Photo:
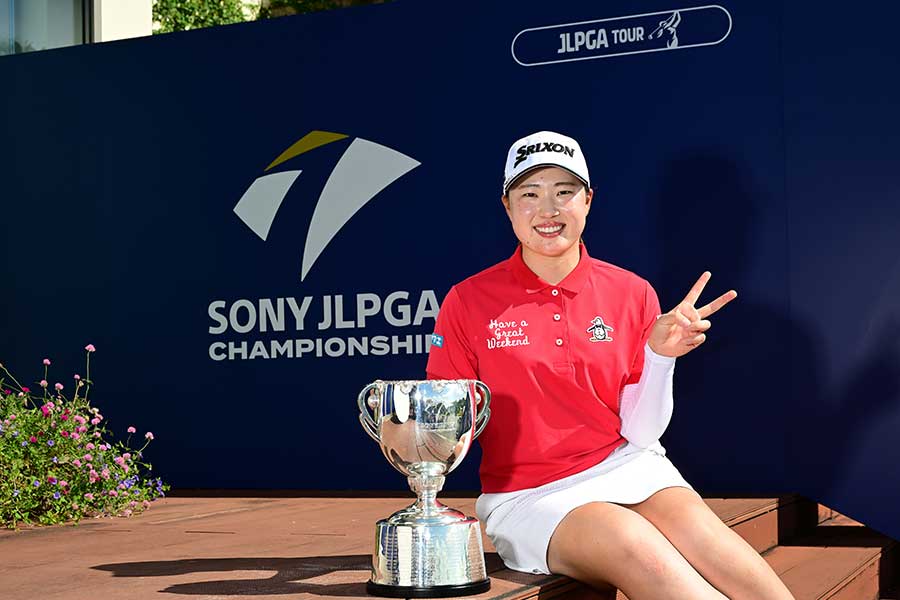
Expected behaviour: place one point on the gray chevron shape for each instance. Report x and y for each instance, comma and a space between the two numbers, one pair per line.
365, 169
259, 204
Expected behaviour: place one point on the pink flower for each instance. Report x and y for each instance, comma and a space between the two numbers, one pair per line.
95, 421
88, 457
133, 503
51, 480
132, 430
88, 496
64, 433
75, 436
104, 473
76, 462
58, 386
81, 429
25, 389
121, 486
145, 504
43, 383
79, 419
64, 418
77, 377
90, 348
127, 512
63, 483
46, 362
127, 456
149, 435
90, 446
93, 476
96, 434
119, 460
113, 493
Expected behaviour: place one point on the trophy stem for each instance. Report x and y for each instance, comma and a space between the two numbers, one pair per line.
426, 488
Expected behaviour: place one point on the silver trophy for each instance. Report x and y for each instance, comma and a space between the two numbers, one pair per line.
425, 429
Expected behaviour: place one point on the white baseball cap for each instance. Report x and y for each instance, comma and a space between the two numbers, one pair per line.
541, 149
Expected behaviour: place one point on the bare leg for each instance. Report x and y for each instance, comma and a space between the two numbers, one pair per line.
602, 543
719, 554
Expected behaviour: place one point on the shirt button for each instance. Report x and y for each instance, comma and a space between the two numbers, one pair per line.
555, 292
559, 341
556, 317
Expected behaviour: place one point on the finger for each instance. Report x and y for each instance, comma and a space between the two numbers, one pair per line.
677, 317
718, 303
694, 294
690, 312
699, 326
695, 341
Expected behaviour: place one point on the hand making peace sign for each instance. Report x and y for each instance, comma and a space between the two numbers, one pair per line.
680, 330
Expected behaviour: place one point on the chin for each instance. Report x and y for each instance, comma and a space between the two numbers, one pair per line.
552, 249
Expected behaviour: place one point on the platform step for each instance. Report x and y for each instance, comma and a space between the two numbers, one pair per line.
308, 547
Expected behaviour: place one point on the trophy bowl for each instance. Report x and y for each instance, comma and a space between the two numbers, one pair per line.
425, 429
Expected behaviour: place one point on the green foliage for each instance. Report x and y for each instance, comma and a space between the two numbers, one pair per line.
58, 460
181, 15
280, 8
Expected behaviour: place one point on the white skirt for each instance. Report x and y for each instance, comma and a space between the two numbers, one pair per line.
520, 523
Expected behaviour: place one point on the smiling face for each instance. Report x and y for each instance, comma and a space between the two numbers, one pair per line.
547, 208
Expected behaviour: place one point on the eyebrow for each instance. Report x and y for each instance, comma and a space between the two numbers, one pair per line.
539, 185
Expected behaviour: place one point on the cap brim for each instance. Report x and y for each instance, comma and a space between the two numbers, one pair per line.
538, 166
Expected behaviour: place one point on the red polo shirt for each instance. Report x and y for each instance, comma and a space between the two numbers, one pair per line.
555, 359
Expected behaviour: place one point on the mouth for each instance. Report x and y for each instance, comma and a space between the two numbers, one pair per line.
549, 230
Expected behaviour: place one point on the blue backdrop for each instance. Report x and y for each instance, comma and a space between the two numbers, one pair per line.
239, 302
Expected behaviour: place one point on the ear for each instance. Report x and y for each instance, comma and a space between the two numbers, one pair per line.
588, 198
505, 200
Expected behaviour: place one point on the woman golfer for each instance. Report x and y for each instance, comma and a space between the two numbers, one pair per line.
579, 360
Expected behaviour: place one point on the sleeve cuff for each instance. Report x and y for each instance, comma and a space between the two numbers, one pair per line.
655, 358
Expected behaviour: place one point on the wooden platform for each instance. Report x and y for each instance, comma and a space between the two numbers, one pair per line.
315, 547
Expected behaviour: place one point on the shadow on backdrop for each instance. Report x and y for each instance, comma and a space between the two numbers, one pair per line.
752, 415
733, 413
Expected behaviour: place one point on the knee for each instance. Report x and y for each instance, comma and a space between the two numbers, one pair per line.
639, 547
635, 545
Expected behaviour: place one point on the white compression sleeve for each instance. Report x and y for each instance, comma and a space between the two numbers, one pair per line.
645, 407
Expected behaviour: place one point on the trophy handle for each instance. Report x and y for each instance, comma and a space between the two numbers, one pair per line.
484, 415
365, 417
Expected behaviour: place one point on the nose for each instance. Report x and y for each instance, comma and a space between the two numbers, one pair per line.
547, 207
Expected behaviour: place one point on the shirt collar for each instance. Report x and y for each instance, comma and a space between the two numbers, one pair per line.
573, 282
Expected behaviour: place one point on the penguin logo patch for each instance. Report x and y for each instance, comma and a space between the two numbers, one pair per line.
599, 331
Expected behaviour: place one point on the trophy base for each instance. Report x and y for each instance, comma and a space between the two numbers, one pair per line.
435, 591
435, 554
